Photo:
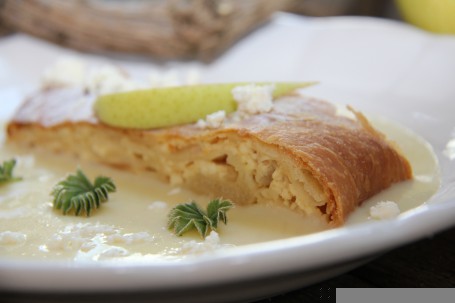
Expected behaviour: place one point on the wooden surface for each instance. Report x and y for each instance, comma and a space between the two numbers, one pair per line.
428, 263
159, 29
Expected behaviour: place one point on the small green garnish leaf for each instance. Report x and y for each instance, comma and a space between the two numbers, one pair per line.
78, 193
216, 211
6, 172
187, 216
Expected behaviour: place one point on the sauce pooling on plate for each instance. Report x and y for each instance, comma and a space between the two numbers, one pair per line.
132, 225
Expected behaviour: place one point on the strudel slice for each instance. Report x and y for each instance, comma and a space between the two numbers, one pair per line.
301, 155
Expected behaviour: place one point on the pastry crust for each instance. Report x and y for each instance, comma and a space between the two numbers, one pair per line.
302, 154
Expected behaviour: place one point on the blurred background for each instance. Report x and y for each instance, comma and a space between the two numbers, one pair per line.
190, 29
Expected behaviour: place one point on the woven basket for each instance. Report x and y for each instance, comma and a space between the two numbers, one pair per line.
164, 29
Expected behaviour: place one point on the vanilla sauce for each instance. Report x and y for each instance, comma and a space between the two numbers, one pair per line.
132, 224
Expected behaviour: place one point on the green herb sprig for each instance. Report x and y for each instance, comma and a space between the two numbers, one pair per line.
78, 193
187, 216
6, 172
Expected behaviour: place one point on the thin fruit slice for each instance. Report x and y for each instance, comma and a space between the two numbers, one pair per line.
162, 107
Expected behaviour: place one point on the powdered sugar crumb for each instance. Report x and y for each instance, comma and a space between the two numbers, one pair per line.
253, 99
384, 210
214, 120
12, 238
157, 205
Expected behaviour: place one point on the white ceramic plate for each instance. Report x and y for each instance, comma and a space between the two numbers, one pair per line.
378, 66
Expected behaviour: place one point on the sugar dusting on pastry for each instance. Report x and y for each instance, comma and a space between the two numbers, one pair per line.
65, 71
214, 120
251, 99
108, 78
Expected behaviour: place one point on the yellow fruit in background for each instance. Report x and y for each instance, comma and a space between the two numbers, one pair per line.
162, 107
433, 15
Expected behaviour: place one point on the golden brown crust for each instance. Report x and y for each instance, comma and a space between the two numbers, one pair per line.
349, 159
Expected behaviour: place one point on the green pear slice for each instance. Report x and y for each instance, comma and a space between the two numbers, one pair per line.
163, 107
